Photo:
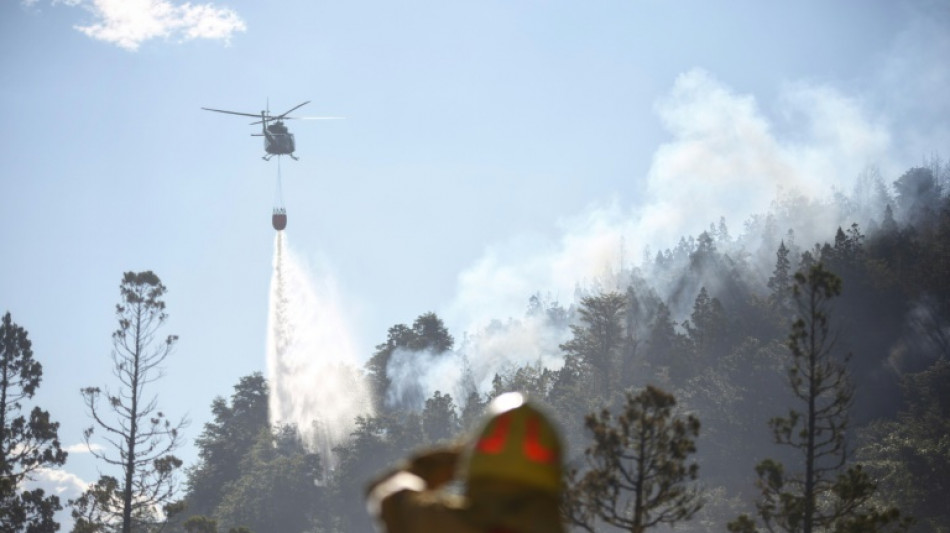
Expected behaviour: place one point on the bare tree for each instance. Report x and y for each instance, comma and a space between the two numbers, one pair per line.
140, 437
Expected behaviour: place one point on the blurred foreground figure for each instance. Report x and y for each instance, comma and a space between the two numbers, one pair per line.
511, 476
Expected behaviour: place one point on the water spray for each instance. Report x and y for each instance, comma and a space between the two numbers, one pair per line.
315, 384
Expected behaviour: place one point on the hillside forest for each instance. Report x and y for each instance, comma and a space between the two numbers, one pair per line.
706, 338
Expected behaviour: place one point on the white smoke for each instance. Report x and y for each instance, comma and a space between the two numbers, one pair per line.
311, 359
725, 159
499, 348
506, 346
416, 376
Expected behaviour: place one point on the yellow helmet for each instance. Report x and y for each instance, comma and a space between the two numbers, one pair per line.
517, 443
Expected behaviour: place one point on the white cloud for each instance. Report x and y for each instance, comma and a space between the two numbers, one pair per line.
81, 447
60, 482
129, 23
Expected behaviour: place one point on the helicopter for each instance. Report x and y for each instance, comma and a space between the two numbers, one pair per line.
277, 139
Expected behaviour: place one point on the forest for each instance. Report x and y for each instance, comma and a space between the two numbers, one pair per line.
710, 333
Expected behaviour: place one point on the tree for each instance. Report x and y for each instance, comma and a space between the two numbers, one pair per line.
826, 494
640, 471
910, 456
27, 442
140, 436
428, 332
95, 510
918, 194
200, 524
598, 340
440, 420
666, 347
277, 489
707, 327
225, 441
375, 444
780, 283
472, 411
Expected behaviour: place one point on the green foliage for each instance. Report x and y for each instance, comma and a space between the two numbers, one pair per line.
251, 477
706, 329
27, 442
532, 379
597, 341
911, 454
667, 349
640, 471
95, 510
377, 443
139, 437
201, 524
472, 411
440, 421
780, 283
225, 441
277, 489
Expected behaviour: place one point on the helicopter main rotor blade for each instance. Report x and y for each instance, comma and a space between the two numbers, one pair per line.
257, 115
314, 118
285, 113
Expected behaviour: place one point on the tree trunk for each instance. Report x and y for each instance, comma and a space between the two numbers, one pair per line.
133, 430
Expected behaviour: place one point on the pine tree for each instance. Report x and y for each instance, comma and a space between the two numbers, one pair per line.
824, 493
28, 442
440, 421
781, 281
276, 489
707, 326
639, 472
225, 441
428, 332
598, 340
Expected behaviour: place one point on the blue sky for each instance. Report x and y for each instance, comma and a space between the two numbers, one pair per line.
490, 149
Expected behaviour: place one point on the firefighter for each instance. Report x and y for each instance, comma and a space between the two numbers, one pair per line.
511, 476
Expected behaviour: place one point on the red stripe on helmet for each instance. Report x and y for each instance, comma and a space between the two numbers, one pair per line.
494, 442
533, 449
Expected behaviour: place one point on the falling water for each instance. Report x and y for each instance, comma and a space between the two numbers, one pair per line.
311, 360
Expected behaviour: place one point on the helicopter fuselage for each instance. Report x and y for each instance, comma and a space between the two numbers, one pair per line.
277, 139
